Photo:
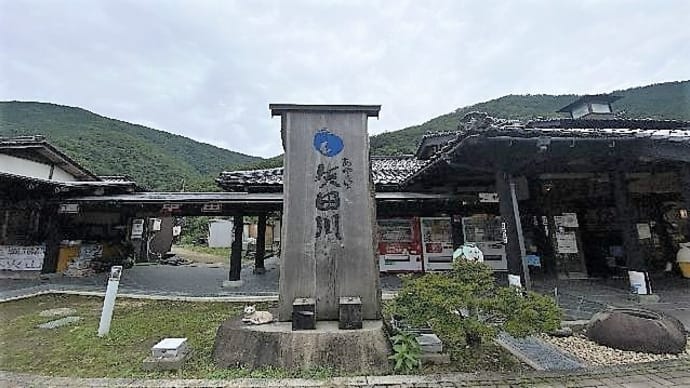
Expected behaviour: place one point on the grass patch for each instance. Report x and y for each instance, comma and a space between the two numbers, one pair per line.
75, 350
220, 252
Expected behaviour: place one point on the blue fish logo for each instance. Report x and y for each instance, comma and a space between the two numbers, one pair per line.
327, 143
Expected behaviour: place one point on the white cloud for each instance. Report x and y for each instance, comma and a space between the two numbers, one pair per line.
209, 69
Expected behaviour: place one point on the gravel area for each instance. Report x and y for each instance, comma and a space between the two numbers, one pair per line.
539, 354
598, 355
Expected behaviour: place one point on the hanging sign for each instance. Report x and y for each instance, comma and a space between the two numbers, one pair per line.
569, 220
68, 208
566, 242
137, 228
644, 231
21, 258
211, 207
488, 197
170, 207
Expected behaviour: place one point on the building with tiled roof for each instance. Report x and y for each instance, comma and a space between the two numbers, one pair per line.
387, 174
585, 189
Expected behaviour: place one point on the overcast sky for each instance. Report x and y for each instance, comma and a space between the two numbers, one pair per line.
209, 69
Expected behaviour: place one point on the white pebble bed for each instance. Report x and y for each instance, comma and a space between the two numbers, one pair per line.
597, 355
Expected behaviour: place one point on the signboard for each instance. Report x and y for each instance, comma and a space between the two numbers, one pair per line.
488, 197
68, 208
170, 207
566, 242
567, 220
137, 228
91, 251
644, 231
211, 207
22, 258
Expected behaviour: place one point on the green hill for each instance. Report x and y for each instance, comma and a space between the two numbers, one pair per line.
155, 159
162, 161
670, 100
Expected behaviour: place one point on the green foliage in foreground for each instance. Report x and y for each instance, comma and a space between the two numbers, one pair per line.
406, 353
465, 307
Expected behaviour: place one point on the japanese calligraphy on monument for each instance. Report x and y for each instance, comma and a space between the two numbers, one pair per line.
328, 182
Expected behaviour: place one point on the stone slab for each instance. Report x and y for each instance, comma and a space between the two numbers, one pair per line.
57, 312
152, 363
435, 358
59, 323
233, 283
276, 345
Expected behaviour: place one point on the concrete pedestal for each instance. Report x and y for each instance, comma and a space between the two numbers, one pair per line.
363, 351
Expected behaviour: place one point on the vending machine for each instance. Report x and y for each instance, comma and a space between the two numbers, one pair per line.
437, 243
488, 233
399, 247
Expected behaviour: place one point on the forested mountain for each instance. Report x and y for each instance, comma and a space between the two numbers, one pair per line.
155, 159
163, 161
670, 100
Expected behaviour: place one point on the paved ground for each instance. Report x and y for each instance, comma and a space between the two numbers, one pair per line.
163, 280
666, 374
582, 298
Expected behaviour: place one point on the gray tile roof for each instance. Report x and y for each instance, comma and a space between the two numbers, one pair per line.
482, 125
385, 172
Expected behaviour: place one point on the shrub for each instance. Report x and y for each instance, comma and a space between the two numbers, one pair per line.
466, 307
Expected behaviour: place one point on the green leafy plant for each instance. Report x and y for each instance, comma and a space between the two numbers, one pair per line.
465, 307
406, 353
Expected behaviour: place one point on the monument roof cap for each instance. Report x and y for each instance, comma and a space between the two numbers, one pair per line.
370, 110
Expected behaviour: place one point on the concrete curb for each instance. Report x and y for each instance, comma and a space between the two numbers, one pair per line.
178, 298
677, 371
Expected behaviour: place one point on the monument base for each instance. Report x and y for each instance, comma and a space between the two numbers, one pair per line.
364, 351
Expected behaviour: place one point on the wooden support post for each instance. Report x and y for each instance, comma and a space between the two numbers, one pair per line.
236, 250
685, 191
5, 224
52, 233
260, 246
626, 219
510, 214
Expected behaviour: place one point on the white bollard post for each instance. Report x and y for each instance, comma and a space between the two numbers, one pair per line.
109, 301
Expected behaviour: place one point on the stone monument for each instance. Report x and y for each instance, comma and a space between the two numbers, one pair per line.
328, 209
329, 311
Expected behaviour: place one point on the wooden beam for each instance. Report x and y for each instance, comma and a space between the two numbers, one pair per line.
510, 214
236, 250
685, 191
627, 221
260, 246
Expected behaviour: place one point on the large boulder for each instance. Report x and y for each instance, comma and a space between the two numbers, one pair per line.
638, 330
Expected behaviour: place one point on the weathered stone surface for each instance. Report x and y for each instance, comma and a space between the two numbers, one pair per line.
303, 314
350, 313
637, 330
57, 312
59, 323
328, 212
562, 332
152, 363
435, 358
362, 351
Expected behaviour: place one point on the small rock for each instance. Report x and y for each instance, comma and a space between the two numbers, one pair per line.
59, 323
58, 312
562, 332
